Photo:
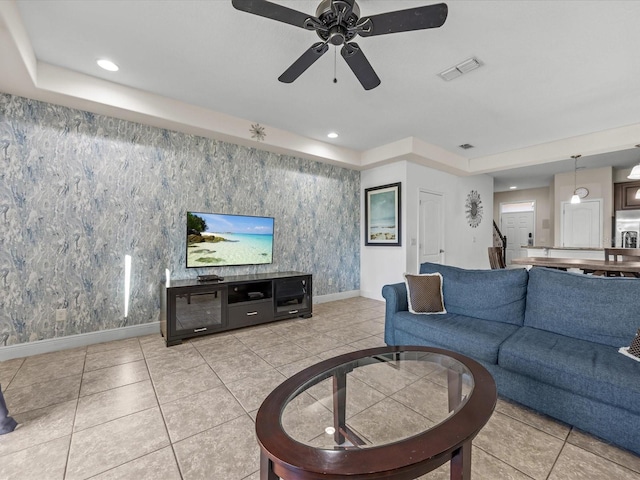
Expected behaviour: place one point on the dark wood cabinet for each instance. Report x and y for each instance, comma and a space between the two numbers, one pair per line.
625, 196
189, 311
292, 296
190, 308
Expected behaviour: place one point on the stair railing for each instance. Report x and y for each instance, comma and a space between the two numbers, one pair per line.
500, 240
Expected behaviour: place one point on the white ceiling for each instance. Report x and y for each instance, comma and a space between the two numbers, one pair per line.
559, 78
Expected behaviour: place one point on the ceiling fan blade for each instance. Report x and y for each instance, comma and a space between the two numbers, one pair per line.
276, 12
307, 59
429, 16
360, 66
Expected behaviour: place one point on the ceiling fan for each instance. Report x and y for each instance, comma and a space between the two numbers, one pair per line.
337, 22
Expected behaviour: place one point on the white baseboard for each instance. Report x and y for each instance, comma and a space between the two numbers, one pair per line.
84, 339
332, 297
372, 295
75, 341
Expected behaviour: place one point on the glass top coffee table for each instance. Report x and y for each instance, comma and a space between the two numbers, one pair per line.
388, 412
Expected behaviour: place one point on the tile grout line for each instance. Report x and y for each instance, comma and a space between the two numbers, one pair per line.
75, 414
502, 461
164, 422
15, 373
535, 426
555, 462
600, 456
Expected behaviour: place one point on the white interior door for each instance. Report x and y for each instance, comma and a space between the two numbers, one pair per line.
581, 224
516, 227
430, 228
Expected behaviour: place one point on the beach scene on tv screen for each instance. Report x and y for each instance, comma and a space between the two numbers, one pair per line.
218, 240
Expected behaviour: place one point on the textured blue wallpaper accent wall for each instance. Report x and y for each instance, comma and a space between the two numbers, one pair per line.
79, 191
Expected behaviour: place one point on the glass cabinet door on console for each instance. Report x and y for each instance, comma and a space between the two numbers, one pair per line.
293, 295
200, 310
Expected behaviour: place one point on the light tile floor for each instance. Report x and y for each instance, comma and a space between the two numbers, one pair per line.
134, 409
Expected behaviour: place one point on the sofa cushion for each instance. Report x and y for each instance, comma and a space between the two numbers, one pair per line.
424, 293
585, 368
476, 338
597, 309
497, 295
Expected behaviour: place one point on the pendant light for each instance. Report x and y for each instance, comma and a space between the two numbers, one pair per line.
575, 198
635, 173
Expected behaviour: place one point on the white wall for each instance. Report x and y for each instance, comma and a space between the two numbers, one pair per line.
382, 265
378, 264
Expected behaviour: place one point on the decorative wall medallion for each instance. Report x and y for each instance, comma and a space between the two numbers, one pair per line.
257, 132
473, 209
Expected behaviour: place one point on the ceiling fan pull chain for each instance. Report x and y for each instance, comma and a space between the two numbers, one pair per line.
335, 62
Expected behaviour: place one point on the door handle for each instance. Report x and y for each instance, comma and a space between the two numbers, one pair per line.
441, 251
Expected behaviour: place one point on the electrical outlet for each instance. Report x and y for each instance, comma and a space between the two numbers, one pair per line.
61, 315
330, 281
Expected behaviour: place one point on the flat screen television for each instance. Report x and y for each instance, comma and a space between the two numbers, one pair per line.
219, 240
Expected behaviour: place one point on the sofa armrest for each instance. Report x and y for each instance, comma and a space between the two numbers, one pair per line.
396, 301
396, 297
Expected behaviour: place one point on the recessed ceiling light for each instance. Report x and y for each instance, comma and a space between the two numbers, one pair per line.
466, 146
513, 187
332, 135
108, 65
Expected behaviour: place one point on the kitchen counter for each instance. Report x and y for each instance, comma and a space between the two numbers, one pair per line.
563, 248
565, 252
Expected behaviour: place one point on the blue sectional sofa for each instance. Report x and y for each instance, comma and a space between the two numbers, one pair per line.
549, 338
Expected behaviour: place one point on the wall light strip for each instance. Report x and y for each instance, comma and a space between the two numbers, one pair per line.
127, 283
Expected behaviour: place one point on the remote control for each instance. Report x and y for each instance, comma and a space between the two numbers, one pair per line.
210, 278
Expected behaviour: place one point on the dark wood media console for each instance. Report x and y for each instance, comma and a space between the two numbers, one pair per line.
190, 308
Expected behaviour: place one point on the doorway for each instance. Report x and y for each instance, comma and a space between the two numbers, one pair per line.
581, 224
517, 221
430, 228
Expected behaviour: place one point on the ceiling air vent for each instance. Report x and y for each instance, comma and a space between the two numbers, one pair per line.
466, 146
463, 67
